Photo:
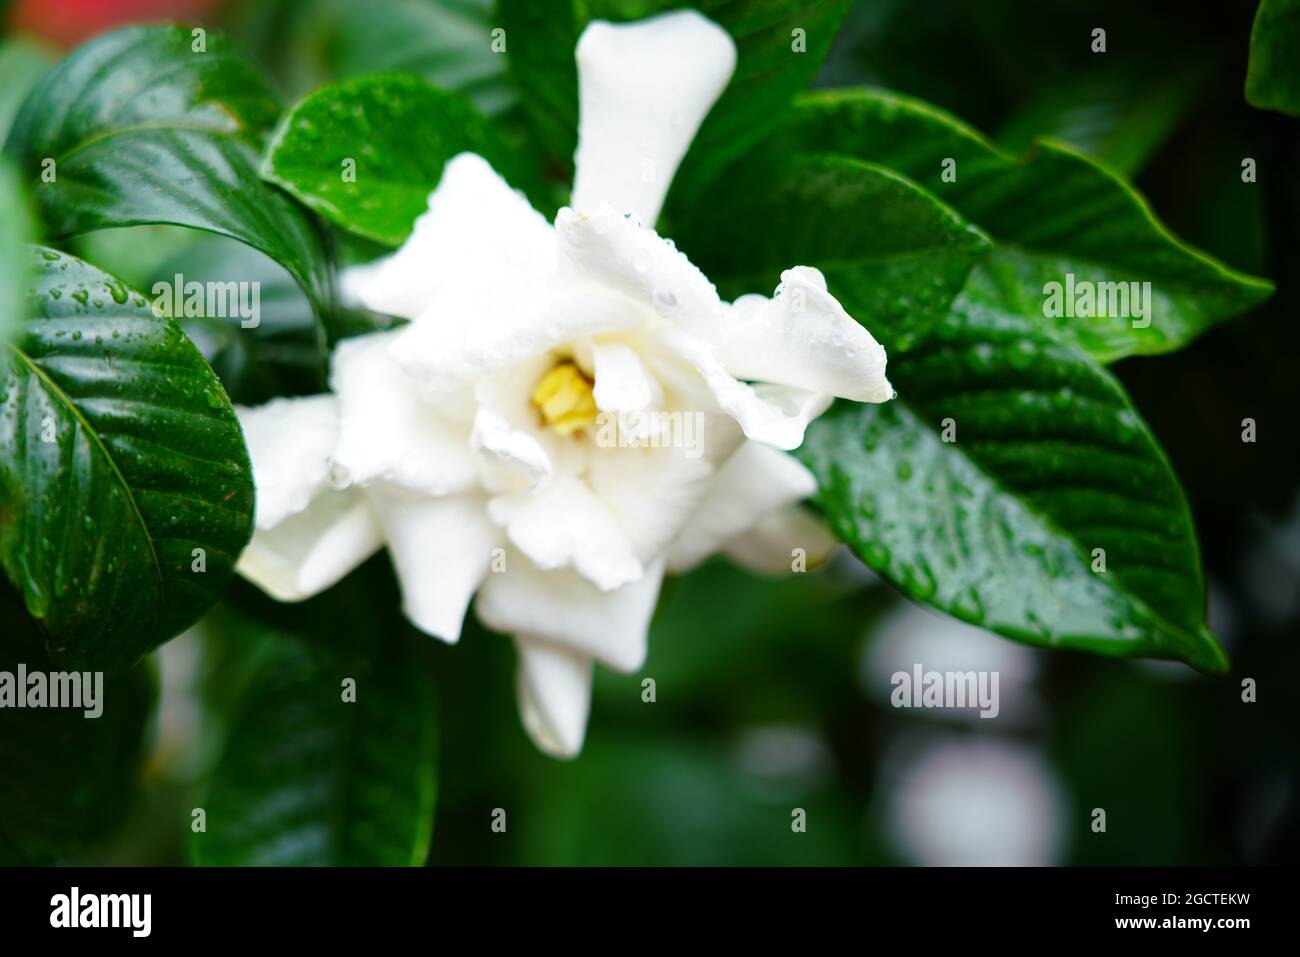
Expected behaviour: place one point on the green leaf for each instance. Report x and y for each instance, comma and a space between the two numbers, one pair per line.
1273, 74
1048, 462
140, 128
308, 779
1054, 214
127, 457
284, 354
69, 779
15, 231
769, 72
316, 43
892, 253
395, 133
1119, 113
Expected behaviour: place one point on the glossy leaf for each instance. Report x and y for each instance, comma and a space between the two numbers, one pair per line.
308, 779
1273, 76
1055, 214
130, 485
987, 488
365, 154
893, 254
137, 126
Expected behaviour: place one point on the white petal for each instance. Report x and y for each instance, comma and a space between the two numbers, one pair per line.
604, 248
775, 415
483, 328
388, 430
477, 231
755, 481
289, 442
652, 492
554, 688
564, 608
769, 547
440, 548
644, 88
622, 383
308, 552
802, 337
564, 524
500, 444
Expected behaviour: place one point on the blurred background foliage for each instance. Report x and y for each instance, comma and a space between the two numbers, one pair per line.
774, 695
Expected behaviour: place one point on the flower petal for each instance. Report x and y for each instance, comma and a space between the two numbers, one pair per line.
606, 249
769, 547
388, 430
755, 481
652, 492
289, 442
477, 232
565, 609
440, 548
802, 337
644, 89
480, 328
564, 524
775, 415
554, 689
308, 552
504, 447
622, 383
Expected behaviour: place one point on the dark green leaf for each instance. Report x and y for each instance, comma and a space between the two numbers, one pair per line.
365, 154
1055, 214
1049, 462
142, 128
892, 253
1120, 112
769, 72
312, 43
68, 779
1273, 76
309, 779
128, 457
283, 354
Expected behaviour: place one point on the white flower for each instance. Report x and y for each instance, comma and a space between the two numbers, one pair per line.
569, 413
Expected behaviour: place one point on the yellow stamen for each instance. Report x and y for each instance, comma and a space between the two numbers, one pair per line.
565, 399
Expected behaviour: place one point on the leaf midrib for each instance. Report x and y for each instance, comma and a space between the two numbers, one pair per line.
238, 134
57, 391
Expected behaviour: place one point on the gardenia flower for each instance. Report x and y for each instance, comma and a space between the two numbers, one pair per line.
572, 411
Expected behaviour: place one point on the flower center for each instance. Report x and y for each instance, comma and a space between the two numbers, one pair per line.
564, 397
